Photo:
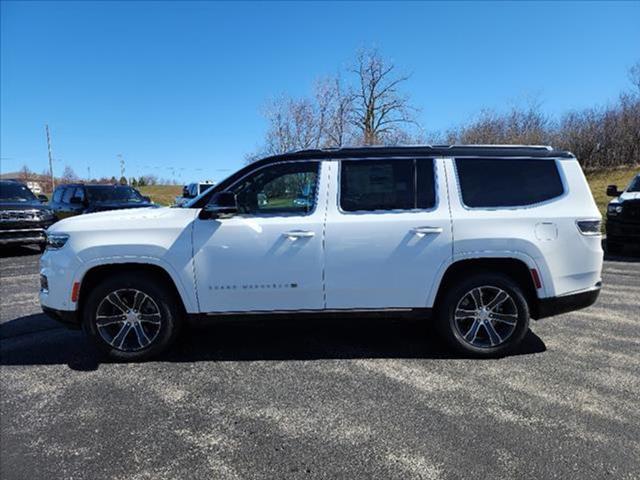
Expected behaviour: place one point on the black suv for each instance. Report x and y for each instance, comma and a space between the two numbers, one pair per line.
23, 217
75, 199
623, 217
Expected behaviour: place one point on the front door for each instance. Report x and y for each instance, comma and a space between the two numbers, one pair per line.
388, 233
268, 257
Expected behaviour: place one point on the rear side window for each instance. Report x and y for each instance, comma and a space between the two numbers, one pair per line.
508, 182
370, 185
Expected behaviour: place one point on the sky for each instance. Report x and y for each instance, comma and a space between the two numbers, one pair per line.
178, 88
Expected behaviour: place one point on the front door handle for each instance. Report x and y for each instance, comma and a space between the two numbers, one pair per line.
293, 234
422, 231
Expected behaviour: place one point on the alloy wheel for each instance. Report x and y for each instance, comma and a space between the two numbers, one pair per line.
128, 320
485, 317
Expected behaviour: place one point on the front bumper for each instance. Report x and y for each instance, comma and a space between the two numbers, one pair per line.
22, 236
69, 319
548, 307
623, 231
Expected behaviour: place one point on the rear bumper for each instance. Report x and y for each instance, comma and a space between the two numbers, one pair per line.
69, 319
548, 307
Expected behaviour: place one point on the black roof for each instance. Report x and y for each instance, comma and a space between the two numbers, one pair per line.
90, 185
410, 151
529, 151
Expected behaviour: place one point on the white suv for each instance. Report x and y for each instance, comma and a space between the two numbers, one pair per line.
478, 238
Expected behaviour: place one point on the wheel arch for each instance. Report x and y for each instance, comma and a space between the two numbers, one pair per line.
516, 269
94, 275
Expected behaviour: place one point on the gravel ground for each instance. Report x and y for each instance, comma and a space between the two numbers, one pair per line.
322, 399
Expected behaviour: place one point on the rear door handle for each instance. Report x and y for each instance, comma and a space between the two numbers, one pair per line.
422, 231
293, 234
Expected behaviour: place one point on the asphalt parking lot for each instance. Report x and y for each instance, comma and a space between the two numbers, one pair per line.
370, 399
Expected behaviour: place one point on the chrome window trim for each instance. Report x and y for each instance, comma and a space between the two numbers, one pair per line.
563, 180
276, 215
395, 210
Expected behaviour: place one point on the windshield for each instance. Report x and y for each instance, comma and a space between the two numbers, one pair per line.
15, 192
110, 193
635, 185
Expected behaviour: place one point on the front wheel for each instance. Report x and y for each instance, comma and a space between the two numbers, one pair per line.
485, 315
132, 316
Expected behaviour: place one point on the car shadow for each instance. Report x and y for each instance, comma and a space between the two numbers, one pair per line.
37, 340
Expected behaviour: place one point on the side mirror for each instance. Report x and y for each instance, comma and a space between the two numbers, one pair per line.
43, 198
146, 198
185, 192
221, 205
612, 191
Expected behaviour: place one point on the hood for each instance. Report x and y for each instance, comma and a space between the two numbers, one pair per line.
128, 219
103, 206
31, 205
629, 196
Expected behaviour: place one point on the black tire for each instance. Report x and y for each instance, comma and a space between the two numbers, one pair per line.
488, 326
159, 329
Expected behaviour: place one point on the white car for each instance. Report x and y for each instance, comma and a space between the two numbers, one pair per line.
477, 239
191, 191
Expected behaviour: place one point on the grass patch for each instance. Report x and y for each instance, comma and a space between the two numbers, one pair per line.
598, 182
162, 194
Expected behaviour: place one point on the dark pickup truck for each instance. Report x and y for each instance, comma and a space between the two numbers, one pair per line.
23, 216
76, 199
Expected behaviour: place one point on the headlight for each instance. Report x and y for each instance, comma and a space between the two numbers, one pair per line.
56, 240
614, 209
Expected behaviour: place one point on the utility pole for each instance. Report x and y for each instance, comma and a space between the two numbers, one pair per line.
121, 165
88, 174
53, 182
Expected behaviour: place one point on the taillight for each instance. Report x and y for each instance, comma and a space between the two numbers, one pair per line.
589, 227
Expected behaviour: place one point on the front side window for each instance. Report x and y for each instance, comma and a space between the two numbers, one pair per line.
371, 185
634, 186
286, 188
57, 195
68, 193
487, 182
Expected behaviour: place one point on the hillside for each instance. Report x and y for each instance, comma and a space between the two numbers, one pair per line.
162, 194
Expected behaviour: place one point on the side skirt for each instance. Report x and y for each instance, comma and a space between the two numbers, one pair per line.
390, 313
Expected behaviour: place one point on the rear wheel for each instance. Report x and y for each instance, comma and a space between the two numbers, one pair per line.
485, 315
132, 316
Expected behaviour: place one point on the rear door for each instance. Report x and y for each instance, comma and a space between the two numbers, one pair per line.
388, 233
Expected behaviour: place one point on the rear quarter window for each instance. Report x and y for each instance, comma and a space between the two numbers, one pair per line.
488, 182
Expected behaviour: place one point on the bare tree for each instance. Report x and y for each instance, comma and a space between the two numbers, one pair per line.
68, 175
634, 75
293, 125
335, 109
25, 173
380, 111
523, 125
